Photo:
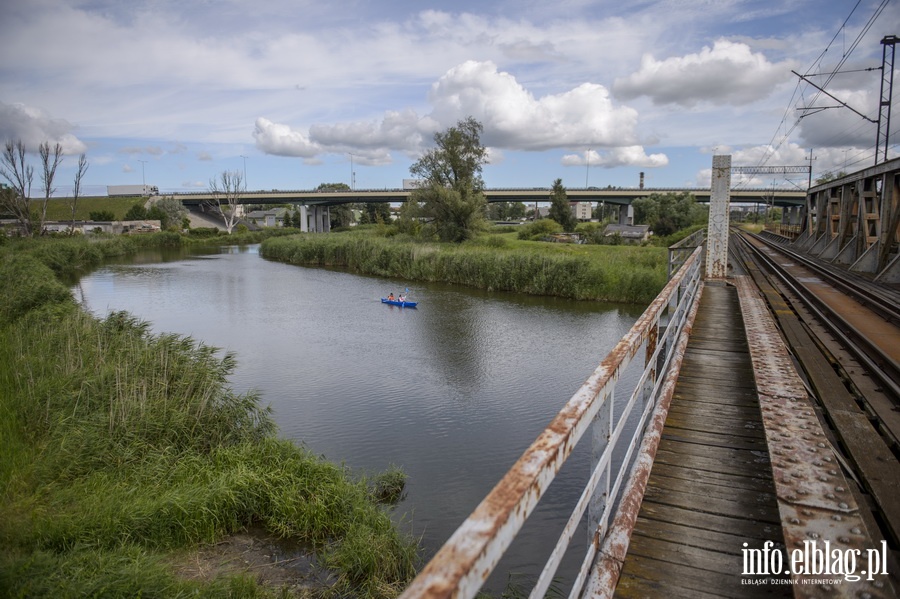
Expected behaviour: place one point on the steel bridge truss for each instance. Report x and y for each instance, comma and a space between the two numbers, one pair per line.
854, 222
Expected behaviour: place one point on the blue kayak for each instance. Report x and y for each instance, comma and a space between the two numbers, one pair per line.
407, 304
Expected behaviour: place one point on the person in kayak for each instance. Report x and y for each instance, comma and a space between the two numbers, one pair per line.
391, 296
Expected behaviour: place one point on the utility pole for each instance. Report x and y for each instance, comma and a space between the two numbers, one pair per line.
811, 158
887, 85
587, 171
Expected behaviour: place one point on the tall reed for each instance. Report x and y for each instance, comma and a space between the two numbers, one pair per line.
607, 273
121, 446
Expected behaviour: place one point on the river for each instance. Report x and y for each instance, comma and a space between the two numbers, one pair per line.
452, 392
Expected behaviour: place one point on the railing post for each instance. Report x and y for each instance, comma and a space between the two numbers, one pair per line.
601, 433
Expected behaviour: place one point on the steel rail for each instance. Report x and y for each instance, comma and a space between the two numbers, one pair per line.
857, 344
873, 296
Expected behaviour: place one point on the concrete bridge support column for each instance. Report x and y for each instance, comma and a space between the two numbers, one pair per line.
316, 219
626, 216
719, 205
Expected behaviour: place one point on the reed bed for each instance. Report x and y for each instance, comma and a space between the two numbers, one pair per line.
121, 446
606, 273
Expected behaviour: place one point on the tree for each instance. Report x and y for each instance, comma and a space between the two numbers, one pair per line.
560, 209
136, 212
14, 169
102, 216
50, 159
168, 211
451, 193
340, 215
668, 213
506, 210
227, 192
374, 213
80, 170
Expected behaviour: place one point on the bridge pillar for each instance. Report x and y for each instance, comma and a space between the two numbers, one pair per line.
626, 215
315, 219
717, 232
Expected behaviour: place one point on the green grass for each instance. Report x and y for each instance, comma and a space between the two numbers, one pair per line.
495, 262
60, 208
122, 448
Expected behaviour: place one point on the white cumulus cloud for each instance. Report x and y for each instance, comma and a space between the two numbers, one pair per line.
515, 119
33, 127
624, 156
512, 117
281, 140
727, 73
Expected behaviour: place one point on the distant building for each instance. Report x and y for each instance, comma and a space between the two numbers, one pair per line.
582, 210
629, 233
86, 227
267, 218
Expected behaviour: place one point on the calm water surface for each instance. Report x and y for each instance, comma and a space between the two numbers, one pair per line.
452, 392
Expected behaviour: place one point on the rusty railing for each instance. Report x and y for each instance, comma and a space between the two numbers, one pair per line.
613, 492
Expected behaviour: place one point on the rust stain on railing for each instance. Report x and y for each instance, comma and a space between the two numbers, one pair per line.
462, 565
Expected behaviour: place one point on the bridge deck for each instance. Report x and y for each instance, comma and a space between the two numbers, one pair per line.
710, 489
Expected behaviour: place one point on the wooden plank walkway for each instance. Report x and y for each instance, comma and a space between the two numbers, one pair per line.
710, 489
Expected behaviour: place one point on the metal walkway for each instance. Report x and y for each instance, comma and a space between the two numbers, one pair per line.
710, 489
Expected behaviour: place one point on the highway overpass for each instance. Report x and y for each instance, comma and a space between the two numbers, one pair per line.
618, 195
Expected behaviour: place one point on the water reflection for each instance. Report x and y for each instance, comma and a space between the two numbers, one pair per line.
452, 391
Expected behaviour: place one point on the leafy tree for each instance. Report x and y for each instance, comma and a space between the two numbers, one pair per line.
169, 211
102, 215
560, 209
136, 212
375, 212
451, 194
506, 210
829, 176
668, 213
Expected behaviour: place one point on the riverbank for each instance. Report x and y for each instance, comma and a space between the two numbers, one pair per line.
124, 452
623, 274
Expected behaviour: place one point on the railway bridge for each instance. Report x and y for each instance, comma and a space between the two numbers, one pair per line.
757, 453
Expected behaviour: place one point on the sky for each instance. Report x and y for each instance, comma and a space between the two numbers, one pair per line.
295, 93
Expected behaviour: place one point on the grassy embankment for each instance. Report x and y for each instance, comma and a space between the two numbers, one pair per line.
500, 262
122, 450
60, 208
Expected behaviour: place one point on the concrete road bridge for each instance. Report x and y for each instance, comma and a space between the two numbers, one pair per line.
618, 195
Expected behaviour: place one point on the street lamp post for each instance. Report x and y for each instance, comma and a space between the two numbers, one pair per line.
352, 175
143, 178
245, 170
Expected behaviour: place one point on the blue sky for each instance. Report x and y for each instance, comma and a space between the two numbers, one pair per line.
296, 93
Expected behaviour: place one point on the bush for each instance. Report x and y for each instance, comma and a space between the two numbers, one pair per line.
102, 216
539, 229
136, 212
204, 232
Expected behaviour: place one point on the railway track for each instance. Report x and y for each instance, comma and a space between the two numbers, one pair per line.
844, 333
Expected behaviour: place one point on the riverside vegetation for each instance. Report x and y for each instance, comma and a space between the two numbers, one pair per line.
498, 261
124, 451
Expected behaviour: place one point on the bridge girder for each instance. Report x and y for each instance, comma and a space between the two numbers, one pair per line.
617, 196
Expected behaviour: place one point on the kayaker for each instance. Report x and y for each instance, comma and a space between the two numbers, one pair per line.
391, 296
401, 298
